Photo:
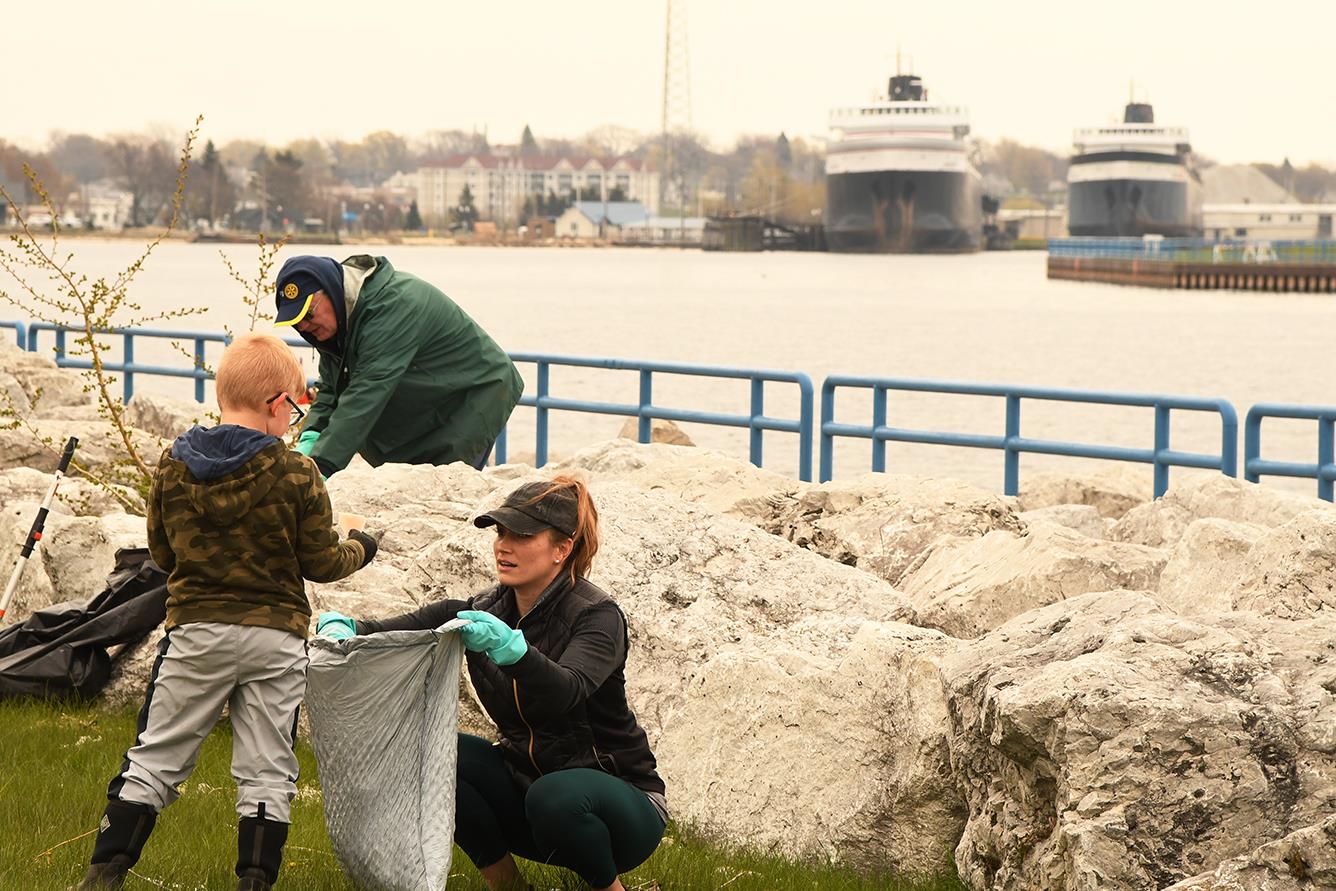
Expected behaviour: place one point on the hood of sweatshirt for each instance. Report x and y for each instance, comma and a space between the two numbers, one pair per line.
231, 468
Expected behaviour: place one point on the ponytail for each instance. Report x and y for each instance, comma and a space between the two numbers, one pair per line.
586, 526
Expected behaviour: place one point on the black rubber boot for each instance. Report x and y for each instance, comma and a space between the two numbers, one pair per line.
259, 852
121, 835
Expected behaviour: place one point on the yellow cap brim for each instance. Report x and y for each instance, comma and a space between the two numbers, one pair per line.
306, 307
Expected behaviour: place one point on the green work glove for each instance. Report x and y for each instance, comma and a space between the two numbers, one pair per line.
306, 442
485, 633
335, 626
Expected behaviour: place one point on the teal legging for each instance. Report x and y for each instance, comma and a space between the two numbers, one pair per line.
582, 819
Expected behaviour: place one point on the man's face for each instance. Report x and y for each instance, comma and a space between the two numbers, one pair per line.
320, 321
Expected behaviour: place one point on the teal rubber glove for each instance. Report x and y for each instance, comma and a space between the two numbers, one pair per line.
485, 633
306, 442
335, 626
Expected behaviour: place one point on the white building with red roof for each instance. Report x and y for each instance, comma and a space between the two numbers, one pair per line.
501, 183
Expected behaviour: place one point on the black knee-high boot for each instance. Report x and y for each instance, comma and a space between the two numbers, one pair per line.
259, 852
121, 835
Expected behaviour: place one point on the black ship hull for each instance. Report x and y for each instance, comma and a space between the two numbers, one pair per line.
1134, 207
904, 211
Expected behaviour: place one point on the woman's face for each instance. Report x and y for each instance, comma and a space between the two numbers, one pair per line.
528, 562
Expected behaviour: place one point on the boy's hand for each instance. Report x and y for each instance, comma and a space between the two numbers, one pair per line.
368, 544
335, 626
485, 633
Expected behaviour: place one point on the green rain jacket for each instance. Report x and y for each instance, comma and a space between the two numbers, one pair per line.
409, 378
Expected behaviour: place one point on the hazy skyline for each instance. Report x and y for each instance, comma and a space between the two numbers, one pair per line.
1239, 76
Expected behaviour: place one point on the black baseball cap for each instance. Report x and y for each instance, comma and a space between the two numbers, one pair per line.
533, 507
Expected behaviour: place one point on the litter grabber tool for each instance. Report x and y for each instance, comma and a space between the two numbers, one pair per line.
38, 525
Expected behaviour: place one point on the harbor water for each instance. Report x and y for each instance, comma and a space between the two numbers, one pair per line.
989, 317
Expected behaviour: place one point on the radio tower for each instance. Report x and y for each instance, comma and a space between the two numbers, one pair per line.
676, 118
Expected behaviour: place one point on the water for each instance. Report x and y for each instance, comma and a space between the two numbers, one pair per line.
990, 317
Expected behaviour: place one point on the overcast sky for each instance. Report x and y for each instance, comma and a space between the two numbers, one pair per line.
1251, 80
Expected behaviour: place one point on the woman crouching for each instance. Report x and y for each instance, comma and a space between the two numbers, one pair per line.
572, 780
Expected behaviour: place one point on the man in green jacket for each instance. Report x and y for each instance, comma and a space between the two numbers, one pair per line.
405, 375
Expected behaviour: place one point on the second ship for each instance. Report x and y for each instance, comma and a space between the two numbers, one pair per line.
1134, 179
899, 177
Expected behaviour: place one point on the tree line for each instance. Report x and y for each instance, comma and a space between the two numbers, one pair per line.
334, 184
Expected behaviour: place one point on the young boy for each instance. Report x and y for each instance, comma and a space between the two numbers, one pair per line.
237, 520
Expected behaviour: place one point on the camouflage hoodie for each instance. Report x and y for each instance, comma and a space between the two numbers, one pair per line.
237, 520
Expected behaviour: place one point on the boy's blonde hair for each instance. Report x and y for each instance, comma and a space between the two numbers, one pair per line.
254, 367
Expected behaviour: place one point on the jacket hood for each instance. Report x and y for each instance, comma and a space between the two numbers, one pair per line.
228, 472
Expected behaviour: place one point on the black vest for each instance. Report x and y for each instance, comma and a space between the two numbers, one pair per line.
599, 733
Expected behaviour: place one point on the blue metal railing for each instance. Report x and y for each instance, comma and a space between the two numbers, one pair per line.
1012, 443
756, 421
20, 332
1324, 471
1196, 250
128, 367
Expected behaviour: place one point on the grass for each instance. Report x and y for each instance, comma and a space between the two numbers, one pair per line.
57, 759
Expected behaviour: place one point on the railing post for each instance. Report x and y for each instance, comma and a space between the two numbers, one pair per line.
1011, 460
200, 374
827, 460
128, 379
757, 411
499, 449
1229, 439
1161, 484
805, 428
60, 345
644, 429
540, 422
1252, 444
878, 421
1326, 426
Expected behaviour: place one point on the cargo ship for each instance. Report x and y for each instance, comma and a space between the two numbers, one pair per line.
899, 176
1133, 179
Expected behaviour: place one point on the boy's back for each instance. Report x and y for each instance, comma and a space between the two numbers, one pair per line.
237, 520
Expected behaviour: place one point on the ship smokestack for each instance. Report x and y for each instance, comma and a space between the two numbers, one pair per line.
907, 88
1138, 113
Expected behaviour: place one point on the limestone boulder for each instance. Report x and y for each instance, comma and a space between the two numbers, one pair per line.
72, 560
1112, 491
163, 416
1082, 518
1301, 861
1291, 571
837, 756
714, 479
1206, 566
974, 586
101, 449
34, 382
888, 524
1161, 523
1105, 742
660, 430
74, 495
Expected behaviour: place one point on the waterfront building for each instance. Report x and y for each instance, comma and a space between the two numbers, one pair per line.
1279, 222
501, 182
597, 219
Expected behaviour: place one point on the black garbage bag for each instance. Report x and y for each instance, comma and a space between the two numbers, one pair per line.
69, 648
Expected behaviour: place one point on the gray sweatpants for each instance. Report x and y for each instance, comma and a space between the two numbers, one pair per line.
260, 673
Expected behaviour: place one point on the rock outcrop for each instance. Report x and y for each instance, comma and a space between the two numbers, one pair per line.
1112, 492
972, 587
1301, 861
163, 416
1103, 742
1161, 523
888, 524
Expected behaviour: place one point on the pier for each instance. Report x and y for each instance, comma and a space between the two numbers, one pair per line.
1284, 266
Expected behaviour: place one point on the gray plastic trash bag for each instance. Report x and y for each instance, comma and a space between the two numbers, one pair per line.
384, 712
